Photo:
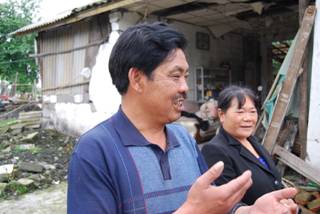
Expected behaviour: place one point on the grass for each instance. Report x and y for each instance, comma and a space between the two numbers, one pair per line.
9, 122
34, 150
15, 188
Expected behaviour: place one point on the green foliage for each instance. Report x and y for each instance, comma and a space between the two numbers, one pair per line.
276, 65
15, 50
8, 122
19, 149
15, 188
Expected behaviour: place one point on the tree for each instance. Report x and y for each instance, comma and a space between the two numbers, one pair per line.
15, 50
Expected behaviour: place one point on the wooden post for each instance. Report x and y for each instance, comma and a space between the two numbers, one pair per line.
266, 64
303, 4
285, 94
303, 92
14, 86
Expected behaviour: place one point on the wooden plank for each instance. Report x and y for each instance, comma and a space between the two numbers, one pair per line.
297, 164
274, 84
286, 91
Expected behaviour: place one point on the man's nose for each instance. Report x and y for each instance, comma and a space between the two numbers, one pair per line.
183, 86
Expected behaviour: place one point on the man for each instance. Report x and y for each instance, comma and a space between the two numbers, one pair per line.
136, 161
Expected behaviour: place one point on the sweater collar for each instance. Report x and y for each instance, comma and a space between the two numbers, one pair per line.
131, 136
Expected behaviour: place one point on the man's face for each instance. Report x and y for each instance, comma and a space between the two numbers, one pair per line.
166, 89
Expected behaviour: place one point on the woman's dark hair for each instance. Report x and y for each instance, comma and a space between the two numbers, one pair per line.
233, 91
143, 46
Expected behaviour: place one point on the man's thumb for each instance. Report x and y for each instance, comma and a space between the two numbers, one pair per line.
212, 174
284, 193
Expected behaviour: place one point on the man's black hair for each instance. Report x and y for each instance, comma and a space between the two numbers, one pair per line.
144, 46
233, 91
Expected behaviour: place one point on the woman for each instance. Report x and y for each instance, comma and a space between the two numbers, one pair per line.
237, 148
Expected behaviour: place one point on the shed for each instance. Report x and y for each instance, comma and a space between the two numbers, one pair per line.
229, 42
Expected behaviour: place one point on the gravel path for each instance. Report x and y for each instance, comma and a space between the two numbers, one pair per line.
47, 201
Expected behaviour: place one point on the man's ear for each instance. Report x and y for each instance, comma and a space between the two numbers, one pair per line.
135, 77
221, 115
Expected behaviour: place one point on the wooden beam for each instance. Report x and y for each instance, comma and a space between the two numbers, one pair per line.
286, 91
65, 86
297, 164
69, 50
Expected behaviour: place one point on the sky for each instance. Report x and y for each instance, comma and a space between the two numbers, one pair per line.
50, 8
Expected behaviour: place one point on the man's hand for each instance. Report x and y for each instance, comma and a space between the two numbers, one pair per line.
276, 202
206, 198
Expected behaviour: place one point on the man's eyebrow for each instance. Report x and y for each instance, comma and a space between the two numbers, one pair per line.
179, 68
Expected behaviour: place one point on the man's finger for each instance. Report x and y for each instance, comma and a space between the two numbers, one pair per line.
289, 203
212, 174
239, 193
284, 193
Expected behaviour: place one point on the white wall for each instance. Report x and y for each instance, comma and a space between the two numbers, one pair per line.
228, 48
313, 138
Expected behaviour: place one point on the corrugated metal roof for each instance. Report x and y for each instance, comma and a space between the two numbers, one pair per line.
221, 15
59, 18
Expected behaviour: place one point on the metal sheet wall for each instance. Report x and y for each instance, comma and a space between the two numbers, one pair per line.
62, 70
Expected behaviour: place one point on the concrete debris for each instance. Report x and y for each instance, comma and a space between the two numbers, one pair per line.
30, 119
257, 7
30, 167
17, 126
2, 187
30, 136
25, 181
37, 177
31, 158
6, 150
6, 171
47, 166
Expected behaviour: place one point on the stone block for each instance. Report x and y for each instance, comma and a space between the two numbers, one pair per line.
31, 167
25, 181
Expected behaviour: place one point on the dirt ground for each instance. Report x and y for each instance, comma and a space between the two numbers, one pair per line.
42, 160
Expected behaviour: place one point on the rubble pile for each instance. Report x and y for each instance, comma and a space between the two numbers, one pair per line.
308, 197
309, 200
30, 157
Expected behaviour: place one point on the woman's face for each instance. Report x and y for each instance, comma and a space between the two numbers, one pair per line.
240, 123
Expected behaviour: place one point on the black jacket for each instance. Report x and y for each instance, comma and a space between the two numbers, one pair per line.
237, 159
